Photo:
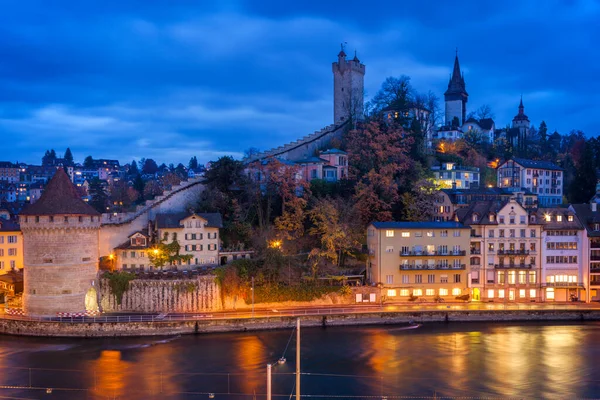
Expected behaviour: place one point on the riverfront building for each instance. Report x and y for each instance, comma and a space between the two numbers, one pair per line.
505, 262
563, 274
411, 260
589, 217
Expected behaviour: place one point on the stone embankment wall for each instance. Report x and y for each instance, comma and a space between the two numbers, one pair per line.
106, 329
164, 296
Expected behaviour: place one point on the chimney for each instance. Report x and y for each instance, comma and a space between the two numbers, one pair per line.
594, 206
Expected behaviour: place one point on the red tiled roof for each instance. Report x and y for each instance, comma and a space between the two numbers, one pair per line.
60, 197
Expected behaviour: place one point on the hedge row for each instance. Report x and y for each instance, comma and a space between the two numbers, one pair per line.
278, 293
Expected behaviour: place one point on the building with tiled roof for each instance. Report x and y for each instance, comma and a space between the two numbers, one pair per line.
540, 177
196, 233
60, 245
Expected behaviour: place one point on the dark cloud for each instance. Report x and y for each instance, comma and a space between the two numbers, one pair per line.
142, 79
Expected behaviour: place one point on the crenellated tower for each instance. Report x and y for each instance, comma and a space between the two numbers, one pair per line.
456, 97
60, 249
348, 88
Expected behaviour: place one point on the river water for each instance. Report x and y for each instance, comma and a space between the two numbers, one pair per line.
445, 360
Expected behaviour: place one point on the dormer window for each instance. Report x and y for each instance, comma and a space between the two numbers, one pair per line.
559, 218
475, 217
548, 217
492, 217
570, 218
138, 241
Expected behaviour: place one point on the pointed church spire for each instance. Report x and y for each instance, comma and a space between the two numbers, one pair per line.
521, 105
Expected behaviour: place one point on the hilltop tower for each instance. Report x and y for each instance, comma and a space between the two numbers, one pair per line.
60, 249
348, 88
456, 96
521, 121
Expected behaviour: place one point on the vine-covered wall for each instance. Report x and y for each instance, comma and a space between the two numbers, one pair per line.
164, 296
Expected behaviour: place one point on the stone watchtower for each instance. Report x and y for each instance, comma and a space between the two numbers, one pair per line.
521, 121
456, 97
60, 249
348, 89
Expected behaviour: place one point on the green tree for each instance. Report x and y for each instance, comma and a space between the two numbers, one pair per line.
395, 93
224, 173
167, 254
88, 162
133, 168
150, 167
583, 185
68, 157
98, 197
193, 164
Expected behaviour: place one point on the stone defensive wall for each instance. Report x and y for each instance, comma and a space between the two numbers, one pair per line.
199, 294
198, 325
116, 228
304, 147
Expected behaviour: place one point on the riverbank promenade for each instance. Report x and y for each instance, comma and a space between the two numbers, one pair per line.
261, 318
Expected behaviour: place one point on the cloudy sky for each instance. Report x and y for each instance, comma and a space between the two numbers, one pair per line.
169, 80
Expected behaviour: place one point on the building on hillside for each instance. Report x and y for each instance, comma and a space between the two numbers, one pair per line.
8, 191
409, 115
589, 217
11, 246
133, 254
452, 176
197, 234
485, 127
418, 259
518, 133
348, 88
9, 172
60, 249
563, 274
447, 201
540, 177
336, 166
508, 239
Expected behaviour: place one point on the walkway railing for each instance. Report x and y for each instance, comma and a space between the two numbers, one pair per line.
358, 309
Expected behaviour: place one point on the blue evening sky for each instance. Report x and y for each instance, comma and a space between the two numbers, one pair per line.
168, 80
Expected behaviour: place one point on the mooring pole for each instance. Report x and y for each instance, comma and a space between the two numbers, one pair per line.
298, 359
268, 381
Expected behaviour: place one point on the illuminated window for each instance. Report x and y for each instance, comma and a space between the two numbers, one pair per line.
391, 293
522, 293
549, 293
417, 292
443, 292
430, 292
490, 293
559, 218
456, 292
430, 234
570, 218
405, 234
512, 277
548, 217
404, 292
501, 293
532, 293
389, 233
389, 249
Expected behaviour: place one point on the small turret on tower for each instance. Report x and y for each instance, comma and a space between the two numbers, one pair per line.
348, 88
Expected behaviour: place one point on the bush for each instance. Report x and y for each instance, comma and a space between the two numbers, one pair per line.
278, 293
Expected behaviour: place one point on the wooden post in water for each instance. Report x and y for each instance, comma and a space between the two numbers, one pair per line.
268, 381
298, 359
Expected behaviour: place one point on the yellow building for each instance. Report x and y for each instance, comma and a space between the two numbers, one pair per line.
424, 260
11, 247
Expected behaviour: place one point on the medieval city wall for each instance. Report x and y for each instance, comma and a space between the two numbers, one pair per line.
164, 296
306, 146
116, 228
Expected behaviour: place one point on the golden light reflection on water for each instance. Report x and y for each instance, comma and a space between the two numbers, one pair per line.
252, 353
109, 374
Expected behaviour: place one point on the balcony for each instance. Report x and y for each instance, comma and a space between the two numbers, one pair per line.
514, 266
432, 253
516, 252
594, 258
419, 267
563, 284
475, 252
